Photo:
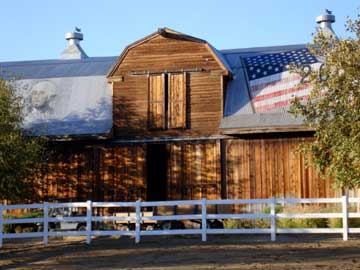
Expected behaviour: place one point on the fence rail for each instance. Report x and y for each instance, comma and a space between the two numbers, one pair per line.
139, 218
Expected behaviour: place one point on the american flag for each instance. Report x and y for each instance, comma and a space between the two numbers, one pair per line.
272, 86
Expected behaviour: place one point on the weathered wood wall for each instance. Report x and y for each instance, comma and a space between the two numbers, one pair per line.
254, 168
204, 89
194, 171
118, 173
167, 53
270, 167
204, 107
97, 172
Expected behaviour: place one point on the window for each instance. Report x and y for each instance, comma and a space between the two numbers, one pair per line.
167, 101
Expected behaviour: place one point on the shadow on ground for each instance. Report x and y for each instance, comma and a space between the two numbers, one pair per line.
220, 252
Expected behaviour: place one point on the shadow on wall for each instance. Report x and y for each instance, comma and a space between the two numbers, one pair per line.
129, 117
79, 170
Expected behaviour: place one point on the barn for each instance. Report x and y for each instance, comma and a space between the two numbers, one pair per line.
170, 118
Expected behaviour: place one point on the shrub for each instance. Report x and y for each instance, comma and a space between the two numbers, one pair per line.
18, 229
28, 229
303, 222
247, 223
278, 209
335, 223
25, 227
296, 222
33, 214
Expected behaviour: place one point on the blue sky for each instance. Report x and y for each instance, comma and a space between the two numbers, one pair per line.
35, 29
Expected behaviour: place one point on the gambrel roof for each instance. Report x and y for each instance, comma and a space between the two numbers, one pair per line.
73, 97
166, 32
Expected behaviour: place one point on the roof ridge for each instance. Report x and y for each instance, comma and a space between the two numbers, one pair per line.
260, 49
58, 61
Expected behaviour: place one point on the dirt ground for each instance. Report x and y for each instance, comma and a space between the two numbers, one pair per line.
175, 252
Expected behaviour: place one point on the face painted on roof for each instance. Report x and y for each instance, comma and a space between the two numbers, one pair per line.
41, 97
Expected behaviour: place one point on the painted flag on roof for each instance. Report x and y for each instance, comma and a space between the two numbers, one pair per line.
272, 86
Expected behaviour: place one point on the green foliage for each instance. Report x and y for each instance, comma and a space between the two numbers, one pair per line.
296, 222
26, 227
8, 228
303, 223
278, 208
247, 224
333, 108
20, 155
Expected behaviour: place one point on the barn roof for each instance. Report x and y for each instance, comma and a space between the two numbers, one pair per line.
167, 32
83, 99
64, 97
79, 101
56, 68
259, 95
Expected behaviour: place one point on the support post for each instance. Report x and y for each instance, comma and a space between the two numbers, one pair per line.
273, 219
1, 225
203, 220
138, 221
345, 218
88, 221
46, 223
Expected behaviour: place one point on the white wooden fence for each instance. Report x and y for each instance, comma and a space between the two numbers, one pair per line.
138, 218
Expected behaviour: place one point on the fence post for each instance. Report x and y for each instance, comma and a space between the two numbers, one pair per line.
273, 219
46, 223
345, 203
1, 225
138, 221
88, 221
203, 220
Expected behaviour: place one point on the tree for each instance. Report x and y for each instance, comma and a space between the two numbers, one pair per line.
20, 155
333, 107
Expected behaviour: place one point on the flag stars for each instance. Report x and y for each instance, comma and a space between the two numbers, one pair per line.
268, 64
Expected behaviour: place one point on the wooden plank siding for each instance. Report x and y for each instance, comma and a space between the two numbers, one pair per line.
119, 173
265, 168
101, 173
195, 99
253, 168
177, 100
163, 53
203, 105
156, 102
194, 171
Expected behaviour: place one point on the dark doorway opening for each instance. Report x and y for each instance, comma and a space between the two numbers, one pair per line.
156, 172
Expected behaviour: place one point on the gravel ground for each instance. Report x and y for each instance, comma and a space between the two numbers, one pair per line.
177, 252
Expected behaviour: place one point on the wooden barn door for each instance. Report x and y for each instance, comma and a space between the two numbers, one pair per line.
194, 171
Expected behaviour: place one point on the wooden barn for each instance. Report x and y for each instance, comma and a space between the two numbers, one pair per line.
170, 118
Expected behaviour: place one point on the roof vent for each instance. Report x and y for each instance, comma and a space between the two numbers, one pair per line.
325, 22
74, 50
